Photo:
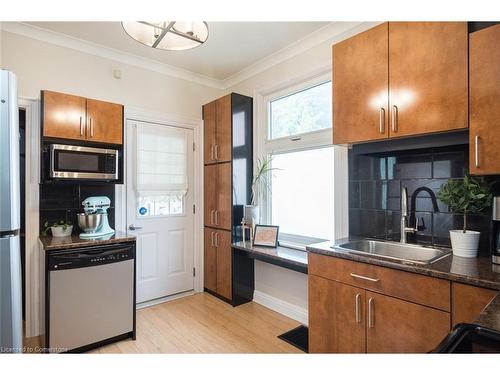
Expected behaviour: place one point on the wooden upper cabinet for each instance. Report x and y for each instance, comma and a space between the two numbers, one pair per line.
468, 302
484, 51
224, 258
428, 77
217, 122
397, 326
223, 146
209, 141
104, 122
223, 196
63, 115
322, 306
74, 117
360, 87
209, 188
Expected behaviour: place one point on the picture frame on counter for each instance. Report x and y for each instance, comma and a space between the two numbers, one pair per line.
266, 235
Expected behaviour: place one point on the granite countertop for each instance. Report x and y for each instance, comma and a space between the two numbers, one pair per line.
284, 254
74, 241
474, 271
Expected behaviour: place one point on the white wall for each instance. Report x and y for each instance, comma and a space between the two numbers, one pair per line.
40, 65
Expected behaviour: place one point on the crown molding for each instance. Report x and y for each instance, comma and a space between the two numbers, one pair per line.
333, 33
67, 41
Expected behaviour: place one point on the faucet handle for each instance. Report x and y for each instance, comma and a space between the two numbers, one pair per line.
419, 220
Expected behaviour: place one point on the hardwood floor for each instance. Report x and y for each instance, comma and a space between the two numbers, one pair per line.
203, 324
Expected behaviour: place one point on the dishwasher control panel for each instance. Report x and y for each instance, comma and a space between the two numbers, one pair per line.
88, 257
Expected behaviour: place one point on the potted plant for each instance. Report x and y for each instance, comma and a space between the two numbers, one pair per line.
260, 184
465, 196
61, 228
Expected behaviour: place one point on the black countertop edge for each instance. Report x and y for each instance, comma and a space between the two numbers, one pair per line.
282, 254
473, 271
49, 243
490, 316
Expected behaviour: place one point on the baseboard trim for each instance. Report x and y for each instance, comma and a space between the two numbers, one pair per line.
285, 308
157, 301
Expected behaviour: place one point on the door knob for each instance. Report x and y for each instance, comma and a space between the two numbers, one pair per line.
133, 227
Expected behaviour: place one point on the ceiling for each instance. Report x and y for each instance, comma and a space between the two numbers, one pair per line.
231, 46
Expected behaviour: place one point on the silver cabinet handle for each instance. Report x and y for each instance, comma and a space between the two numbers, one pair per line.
212, 239
212, 217
216, 217
216, 152
394, 118
476, 150
382, 121
91, 128
370, 313
216, 239
364, 278
133, 227
358, 308
212, 157
81, 126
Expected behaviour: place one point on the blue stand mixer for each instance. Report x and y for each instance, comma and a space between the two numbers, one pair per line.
94, 220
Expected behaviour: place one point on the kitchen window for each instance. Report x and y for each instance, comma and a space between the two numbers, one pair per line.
297, 136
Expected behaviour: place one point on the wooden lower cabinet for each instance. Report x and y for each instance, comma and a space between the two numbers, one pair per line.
396, 326
322, 303
210, 261
351, 319
223, 245
468, 301
217, 262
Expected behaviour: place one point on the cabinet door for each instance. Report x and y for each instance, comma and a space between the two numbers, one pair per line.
209, 196
223, 245
360, 87
104, 122
397, 326
63, 115
468, 302
428, 77
210, 261
223, 196
209, 132
322, 304
350, 321
223, 144
484, 98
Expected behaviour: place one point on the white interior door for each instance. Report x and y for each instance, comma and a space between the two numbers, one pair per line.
163, 222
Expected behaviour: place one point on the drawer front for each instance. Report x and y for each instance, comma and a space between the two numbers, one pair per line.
424, 290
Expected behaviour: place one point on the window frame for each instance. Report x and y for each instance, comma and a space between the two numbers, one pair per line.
300, 142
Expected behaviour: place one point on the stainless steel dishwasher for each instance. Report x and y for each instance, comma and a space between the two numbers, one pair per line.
90, 297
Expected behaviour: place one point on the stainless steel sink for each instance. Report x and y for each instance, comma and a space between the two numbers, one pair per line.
408, 253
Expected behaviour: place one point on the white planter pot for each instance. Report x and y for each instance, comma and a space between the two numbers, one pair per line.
61, 232
465, 244
251, 214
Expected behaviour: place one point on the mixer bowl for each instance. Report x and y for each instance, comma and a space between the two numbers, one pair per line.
89, 223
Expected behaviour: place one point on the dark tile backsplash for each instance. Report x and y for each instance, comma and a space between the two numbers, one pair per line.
375, 182
64, 201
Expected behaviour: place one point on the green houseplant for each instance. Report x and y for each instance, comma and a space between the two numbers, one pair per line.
465, 196
260, 184
61, 228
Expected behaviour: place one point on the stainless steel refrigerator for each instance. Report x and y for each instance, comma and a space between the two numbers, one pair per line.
10, 257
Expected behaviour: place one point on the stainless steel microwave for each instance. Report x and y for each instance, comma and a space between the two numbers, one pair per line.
83, 163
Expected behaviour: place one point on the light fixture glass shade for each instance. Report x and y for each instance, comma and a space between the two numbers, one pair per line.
168, 35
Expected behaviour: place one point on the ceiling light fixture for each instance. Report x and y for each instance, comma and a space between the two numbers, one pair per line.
168, 35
